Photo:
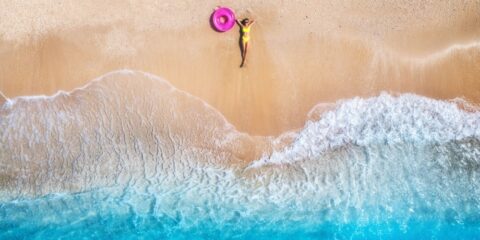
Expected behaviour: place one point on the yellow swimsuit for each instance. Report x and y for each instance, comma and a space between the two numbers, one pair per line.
246, 36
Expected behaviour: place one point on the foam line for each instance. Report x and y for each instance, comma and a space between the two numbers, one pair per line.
383, 119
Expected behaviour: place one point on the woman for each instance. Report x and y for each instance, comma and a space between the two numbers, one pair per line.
245, 25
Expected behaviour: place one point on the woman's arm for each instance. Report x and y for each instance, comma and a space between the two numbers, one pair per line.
239, 23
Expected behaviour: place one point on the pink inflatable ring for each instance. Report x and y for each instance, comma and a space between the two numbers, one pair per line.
223, 19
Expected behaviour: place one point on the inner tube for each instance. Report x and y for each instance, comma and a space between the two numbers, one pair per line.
223, 19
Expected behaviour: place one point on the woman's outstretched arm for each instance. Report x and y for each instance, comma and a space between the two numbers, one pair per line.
239, 23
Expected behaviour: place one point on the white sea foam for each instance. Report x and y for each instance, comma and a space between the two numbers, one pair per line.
119, 110
384, 119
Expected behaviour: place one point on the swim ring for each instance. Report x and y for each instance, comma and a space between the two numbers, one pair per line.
223, 19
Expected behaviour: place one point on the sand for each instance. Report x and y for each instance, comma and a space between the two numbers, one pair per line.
302, 53
3, 98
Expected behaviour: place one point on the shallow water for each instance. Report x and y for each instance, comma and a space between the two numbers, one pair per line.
131, 156
92, 215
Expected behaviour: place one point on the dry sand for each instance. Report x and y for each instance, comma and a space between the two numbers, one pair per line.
302, 52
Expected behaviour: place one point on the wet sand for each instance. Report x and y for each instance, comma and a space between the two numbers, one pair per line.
301, 53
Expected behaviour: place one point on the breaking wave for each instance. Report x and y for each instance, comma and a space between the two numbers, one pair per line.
130, 154
386, 119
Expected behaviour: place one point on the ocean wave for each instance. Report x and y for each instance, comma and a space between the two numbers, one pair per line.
134, 109
385, 119
130, 147
120, 126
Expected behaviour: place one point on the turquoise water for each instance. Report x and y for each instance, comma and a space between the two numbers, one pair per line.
95, 215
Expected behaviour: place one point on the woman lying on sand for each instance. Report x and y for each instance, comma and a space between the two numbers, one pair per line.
245, 25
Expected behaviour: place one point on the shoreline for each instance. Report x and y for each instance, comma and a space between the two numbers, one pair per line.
295, 60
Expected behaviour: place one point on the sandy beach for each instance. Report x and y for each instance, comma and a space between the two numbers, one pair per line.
302, 53
132, 119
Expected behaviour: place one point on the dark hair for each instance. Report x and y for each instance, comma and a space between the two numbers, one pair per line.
245, 20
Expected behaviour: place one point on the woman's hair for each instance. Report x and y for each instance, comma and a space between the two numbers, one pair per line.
245, 20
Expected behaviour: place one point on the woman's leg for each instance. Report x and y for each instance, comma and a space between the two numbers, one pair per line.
244, 57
